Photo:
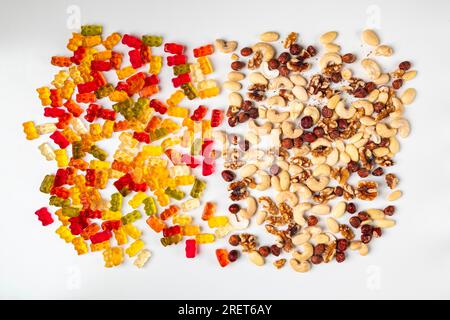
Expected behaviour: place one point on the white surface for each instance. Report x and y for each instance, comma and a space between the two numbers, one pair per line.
411, 261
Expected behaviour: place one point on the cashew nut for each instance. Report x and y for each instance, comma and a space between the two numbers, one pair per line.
317, 185
333, 157
382, 79
275, 137
252, 138
333, 101
308, 251
277, 117
353, 153
280, 82
257, 78
262, 112
318, 160
303, 191
267, 51
295, 108
321, 142
260, 130
313, 112
261, 217
383, 130
287, 196
402, 125
329, 58
288, 130
355, 138
275, 182
225, 46
322, 170
302, 267
267, 161
343, 112
267, 73
276, 101
239, 223
294, 169
298, 212
264, 180
365, 104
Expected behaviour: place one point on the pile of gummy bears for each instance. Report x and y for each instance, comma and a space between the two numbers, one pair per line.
102, 93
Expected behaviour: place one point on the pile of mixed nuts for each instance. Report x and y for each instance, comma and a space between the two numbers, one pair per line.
330, 138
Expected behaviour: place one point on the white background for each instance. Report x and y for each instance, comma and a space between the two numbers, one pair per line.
411, 261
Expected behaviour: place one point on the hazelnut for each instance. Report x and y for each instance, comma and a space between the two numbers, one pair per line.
295, 49
287, 143
306, 122
274, 170
284, 57
319, 132
397, 83
273, 64
316, 259
355, 222
232, 121
312, 220
234, 240
311, 50
264, 251
360, 93
246, 51
351, 207
237, 65
275, 250
389, 210
228, 175
244, 145
340, 257
234, 208
405, 65
363, 173
243, 117
341, 244
309, 137
298, 142
348, 58
327, 112
233, 255
319, 249
284, 71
